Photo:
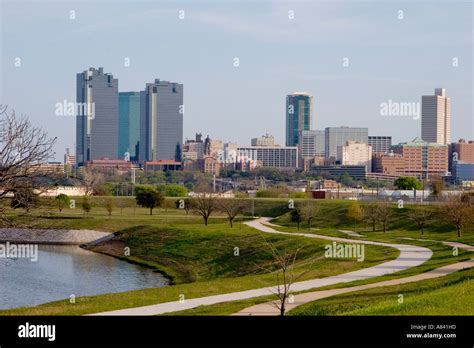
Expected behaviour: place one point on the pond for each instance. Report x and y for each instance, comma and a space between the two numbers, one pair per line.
63, 270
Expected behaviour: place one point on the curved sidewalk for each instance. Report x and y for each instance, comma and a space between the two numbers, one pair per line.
410, 256
268, 308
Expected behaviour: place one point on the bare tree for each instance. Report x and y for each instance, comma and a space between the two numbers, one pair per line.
168, 204
231, 207
308, 211
91, 180
384, 212
421, 217
459, 212
109, 206
23, 147
204, 204
285, 273
370, 214
437, 187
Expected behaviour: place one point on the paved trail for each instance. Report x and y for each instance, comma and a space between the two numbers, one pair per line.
268, 308
410, 256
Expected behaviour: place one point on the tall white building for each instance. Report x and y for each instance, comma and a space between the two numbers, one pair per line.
355, 154
436, 117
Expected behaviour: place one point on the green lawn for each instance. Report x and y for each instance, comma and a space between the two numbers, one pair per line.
200, 260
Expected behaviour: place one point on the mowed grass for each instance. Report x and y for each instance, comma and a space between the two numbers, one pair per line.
194, 252
449, 295
201, 261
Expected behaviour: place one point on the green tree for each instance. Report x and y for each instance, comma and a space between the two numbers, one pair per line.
62, 200
86, 205
148, 197
295, 216
109, 205
408, 183
346, 179
354, 212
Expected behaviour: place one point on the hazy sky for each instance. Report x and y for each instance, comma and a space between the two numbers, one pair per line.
389, 59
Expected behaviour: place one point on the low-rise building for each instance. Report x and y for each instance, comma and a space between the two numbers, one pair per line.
106, 165
162, 165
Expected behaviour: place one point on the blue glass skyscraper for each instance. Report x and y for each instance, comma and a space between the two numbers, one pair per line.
299, 110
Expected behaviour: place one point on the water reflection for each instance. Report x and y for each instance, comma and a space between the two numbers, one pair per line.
64, 270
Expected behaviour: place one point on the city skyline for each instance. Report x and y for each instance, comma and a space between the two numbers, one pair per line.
225, 96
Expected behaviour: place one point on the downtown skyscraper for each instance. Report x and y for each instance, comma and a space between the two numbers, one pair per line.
161, 121
129, 124
97, 127
436, 117
299, 110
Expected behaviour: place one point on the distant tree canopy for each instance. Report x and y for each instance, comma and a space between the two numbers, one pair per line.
408, 183
174, 190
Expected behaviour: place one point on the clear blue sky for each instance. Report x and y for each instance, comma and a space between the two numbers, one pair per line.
389, 58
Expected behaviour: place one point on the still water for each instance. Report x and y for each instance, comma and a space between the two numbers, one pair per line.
63, 270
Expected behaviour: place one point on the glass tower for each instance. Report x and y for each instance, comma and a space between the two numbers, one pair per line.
299, 110
129, 124
97, 124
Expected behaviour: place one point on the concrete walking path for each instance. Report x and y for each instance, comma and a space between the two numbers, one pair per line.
410, 256
268, 308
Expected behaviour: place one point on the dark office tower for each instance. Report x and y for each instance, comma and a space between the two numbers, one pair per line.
299, 110
97, 119
129, 124
161, 121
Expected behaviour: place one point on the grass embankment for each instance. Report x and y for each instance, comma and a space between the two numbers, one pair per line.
201, 261
449, 295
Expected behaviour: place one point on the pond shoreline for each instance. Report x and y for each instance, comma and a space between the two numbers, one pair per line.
52, 236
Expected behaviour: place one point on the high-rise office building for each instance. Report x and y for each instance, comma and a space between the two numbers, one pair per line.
380, 143
129, 124
97, 125
339, 136
161, 121
312, 144
299, 110
436, 117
